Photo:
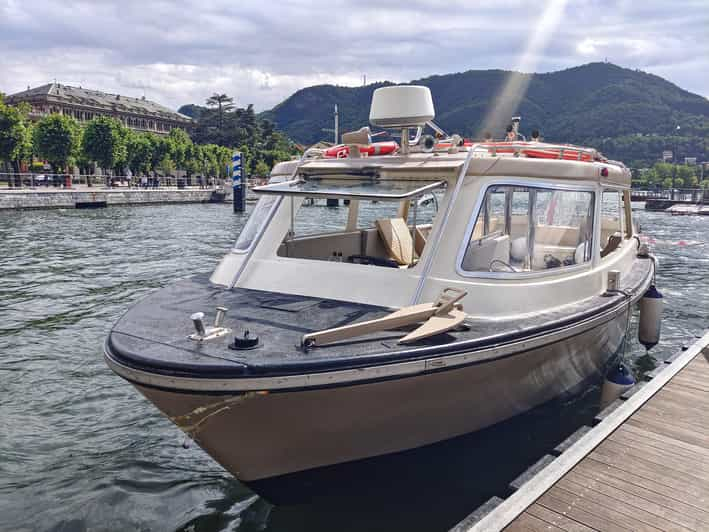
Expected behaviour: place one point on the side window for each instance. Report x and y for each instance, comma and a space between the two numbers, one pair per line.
611, 222
522, 229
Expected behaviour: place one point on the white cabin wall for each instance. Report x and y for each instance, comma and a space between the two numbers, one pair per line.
223, 274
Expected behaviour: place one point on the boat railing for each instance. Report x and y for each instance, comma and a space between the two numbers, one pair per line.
519, 148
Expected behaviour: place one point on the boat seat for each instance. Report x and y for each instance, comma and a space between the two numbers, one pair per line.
397, 239
420, 237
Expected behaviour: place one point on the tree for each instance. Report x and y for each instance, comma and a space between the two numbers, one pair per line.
104, 142
194, 160
161, 148
209, 160
120, 161
140, 153
179, 143
685, 177
166, 165
15, 137
261, 169
223, 103
56, 139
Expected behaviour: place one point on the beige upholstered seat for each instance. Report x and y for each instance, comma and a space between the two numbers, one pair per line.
397, 240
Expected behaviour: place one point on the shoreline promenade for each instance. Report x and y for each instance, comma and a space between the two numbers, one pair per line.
83, 196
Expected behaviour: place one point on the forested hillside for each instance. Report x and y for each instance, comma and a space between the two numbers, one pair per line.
627, 114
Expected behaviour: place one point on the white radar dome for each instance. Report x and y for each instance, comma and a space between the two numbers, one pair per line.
401, 106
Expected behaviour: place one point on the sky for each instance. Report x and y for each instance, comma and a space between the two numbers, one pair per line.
260, 52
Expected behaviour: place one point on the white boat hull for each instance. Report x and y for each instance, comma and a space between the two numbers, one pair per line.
259, 435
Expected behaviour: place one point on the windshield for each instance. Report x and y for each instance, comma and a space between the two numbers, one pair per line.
256, 223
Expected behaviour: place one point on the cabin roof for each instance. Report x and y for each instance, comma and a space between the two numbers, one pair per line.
435, 166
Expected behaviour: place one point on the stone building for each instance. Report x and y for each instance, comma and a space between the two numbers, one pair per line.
84, 104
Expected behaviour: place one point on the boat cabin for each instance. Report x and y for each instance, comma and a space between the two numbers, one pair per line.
485, 218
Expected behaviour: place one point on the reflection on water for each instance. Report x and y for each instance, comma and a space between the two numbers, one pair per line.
80, 449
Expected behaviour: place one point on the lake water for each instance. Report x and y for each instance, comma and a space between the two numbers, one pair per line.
80, 449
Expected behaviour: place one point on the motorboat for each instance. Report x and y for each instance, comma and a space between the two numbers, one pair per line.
455, 285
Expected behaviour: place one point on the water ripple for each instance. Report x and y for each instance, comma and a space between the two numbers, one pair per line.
80, 449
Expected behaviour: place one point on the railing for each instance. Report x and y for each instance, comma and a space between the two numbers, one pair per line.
48, 180
693, 195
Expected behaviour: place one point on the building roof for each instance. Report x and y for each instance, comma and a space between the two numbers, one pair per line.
67, 94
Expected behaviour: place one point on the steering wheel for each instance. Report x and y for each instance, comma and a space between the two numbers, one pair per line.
507, 265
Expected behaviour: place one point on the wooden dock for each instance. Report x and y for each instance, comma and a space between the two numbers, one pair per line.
645, 466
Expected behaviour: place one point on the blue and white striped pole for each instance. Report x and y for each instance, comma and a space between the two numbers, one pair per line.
237, 182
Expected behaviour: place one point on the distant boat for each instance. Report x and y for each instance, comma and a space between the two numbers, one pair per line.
399, 328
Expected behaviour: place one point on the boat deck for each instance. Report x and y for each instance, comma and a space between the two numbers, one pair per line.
644, 467
153, 334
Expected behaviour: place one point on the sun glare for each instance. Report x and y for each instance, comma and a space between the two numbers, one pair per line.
515, 87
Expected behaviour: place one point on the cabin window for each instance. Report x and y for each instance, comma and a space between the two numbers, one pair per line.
523, 229
612, 222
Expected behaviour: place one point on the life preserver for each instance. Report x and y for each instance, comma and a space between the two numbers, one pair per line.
569, 154
376, 148
535, 151
447, 144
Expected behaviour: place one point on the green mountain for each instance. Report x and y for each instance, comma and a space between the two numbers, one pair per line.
627, 114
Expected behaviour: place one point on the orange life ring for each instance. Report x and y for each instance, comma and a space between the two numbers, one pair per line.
447, 144
376, 148
534, 151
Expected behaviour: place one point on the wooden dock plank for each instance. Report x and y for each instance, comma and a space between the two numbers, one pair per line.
681, 395
578, 497
652, 456
680, 422
530, 523
645, 466
629, 465
559, 520
638, 478
675, 418
690, 516
668, 452
662, 474
692, 382
664, 442
678, 433
561, 506
632, 510
656, 511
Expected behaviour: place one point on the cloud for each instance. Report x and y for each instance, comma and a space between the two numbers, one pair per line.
261, 52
